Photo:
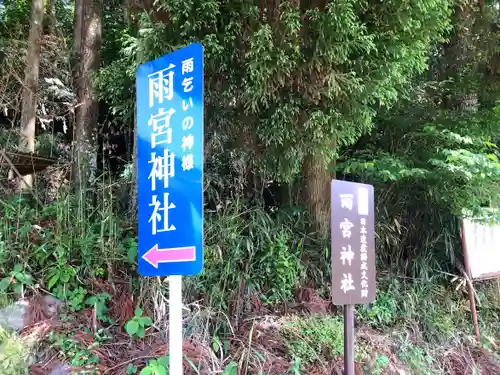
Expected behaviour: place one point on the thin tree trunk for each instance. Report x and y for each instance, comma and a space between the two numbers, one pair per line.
134, 190
316, 193
77, 44
76, 70
85, 140
50, 18
247, 142
28, 115
457, 54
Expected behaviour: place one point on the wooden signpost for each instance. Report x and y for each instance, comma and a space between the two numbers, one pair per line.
353, 254
481, 257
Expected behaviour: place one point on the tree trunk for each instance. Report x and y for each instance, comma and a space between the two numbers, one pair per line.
458, 52
76, 69
28, 115
77, 44
50, 18
135, 174
85, 132
248, 181
316, 193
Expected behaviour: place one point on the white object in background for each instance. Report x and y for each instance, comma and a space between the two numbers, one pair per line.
363, 201
483, 248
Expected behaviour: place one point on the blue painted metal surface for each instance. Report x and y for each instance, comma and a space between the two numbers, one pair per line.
170, 163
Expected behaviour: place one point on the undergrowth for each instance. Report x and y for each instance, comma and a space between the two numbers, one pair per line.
15, 352
254, 260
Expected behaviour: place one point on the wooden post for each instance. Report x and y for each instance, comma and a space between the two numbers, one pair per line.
470, 286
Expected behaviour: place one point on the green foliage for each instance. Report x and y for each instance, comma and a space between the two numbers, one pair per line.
282, 83
433, 156
300, 91
279, 267
231, 369
453, 157
16, 280
381, 364
100, 303
77, 354
431, 165
156, 367
417, 360
383, 312
138, 324
296, 366
15, 352
14, 17
76, 298
59, 240
434, 307
131, 369
246, 248
116, 84
308, 339
340, 48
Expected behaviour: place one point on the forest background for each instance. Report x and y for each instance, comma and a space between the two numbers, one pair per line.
400, 94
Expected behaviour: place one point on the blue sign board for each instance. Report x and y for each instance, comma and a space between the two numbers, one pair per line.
170, 163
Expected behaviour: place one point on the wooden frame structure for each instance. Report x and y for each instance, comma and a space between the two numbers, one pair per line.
22, 164
479, 242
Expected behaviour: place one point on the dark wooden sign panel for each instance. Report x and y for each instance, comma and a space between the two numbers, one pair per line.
353, 243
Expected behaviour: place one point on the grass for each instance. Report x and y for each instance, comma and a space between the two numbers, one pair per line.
254, 261
313, 338
16, 353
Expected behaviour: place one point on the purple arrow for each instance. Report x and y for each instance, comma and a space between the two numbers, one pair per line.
155, 255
